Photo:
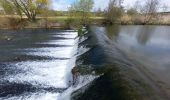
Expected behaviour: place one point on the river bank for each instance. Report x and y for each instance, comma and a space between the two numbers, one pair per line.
64, 22
59, 22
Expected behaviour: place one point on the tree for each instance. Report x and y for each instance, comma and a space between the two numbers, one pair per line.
150, 9
29, 7
137, 6
7, 7
81, 9
82, 5
99, 12
114, 11
132, 12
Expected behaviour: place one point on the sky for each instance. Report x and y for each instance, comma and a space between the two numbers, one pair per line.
65, 4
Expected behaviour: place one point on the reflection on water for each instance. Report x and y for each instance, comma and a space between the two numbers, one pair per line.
149, 45
146, 39
112, 31
36, 64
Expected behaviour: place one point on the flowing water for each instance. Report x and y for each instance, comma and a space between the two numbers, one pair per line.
36, 64
147, 45
150, 45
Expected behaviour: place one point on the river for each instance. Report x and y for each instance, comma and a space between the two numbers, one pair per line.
36, 64
145, 49
149, 45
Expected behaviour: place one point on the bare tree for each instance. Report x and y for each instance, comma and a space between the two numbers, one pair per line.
150, 9
137, 6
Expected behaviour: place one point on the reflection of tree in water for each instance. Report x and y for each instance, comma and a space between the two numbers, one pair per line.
112, 31
144, 34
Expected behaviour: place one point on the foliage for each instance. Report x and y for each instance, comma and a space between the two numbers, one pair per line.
99, 12
30, 8
132, 12
114, 11
81, 10
7, 7
82, 5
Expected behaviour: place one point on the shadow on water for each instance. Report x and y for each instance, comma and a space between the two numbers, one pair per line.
112, 31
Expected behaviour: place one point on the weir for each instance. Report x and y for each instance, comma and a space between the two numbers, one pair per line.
24, 77
37, 64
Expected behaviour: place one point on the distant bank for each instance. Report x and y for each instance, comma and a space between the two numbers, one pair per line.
65, 22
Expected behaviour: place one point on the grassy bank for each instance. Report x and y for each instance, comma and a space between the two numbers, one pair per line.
140, 20
63, 22
15, 22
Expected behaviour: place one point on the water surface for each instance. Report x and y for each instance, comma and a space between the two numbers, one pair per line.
36, 64
147, 45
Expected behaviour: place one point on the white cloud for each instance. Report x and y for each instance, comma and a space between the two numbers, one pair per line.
130, 3
64, 4
100, 4
60, 5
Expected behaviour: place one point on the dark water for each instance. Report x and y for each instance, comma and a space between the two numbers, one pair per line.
36, 64
147, 45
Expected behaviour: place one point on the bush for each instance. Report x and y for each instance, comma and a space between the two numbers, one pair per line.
12, 23
138, 20
126, 20
114, 14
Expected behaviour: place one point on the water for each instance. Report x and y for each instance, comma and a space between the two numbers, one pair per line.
149, 46
36, 64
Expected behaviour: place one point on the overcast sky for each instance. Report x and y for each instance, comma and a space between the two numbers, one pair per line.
64, 4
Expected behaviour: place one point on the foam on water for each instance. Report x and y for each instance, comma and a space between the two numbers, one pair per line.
45, 73
35, 96
66, 35
59, 42
83, 80
58, 52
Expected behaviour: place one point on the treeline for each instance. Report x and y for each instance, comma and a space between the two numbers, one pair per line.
19, 13
29, 8
143, 12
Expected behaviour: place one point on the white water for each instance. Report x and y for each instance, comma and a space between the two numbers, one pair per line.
46, 73
83, 80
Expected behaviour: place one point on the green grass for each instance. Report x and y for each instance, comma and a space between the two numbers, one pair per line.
64, 18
